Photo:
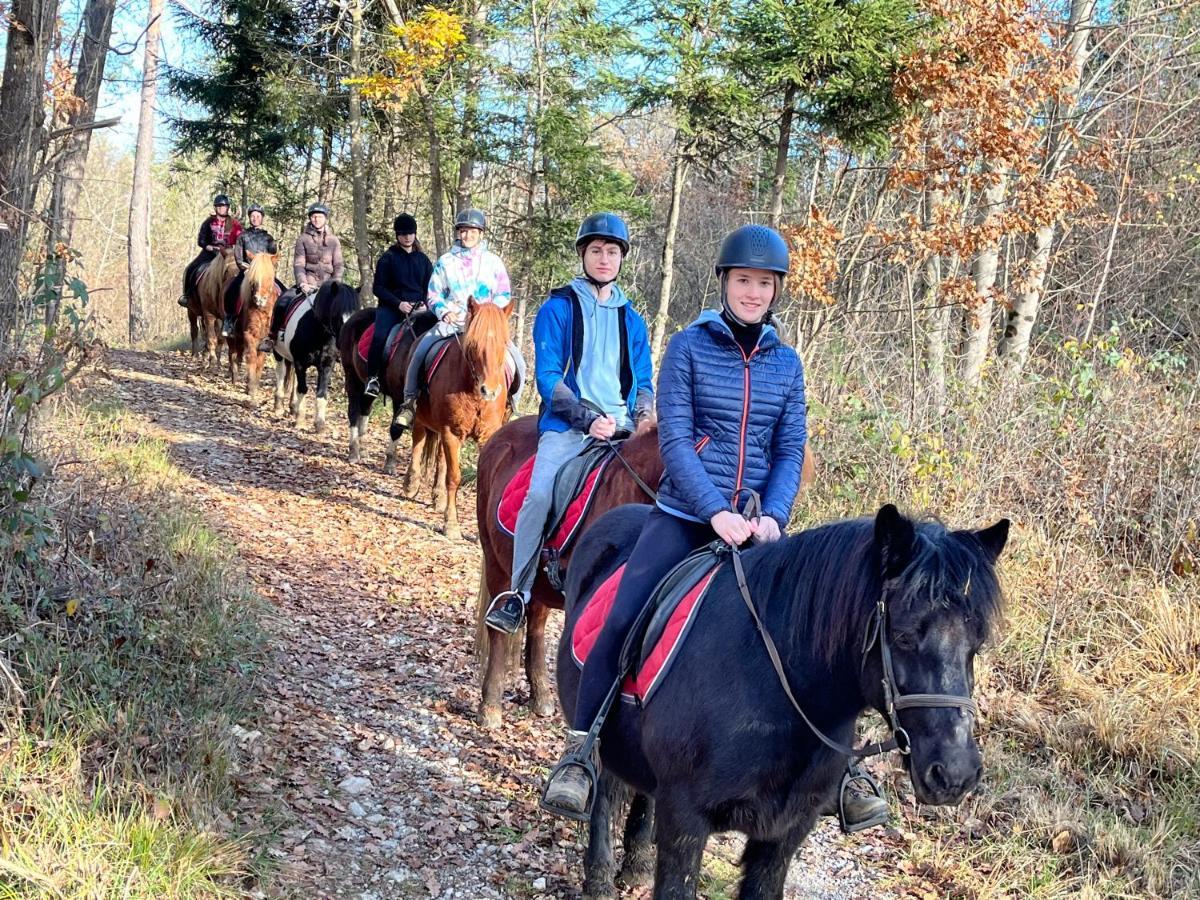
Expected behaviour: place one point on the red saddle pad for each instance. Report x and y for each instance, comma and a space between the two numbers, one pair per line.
642, 684
518, 487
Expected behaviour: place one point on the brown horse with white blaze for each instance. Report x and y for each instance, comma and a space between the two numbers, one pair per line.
466, 399
258, 294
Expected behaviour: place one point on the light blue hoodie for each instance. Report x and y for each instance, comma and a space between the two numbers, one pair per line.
599, 374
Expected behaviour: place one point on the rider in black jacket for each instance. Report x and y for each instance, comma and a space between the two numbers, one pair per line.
401, 280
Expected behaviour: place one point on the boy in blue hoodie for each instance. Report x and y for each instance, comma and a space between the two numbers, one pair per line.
592, 354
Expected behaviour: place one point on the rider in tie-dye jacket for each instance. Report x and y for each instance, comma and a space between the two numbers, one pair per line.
468, 271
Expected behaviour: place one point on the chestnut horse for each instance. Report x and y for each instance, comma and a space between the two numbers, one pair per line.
499, 461
210, 291
259, 291
466, 399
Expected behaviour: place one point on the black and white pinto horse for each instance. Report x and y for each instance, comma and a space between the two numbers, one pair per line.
309, 338
850, 606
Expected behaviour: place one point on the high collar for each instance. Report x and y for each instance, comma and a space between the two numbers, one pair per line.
711, 320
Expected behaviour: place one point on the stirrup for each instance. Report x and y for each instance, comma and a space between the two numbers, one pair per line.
849, 777
371, 388
496, 607
589, 769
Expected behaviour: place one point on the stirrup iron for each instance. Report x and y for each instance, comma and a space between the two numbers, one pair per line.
860, 776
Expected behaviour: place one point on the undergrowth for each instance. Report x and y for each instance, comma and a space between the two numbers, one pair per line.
1091, 695
129, 651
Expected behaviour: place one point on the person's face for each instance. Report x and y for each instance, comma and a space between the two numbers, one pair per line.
406, 240
222, 209
256, 219
749, 293
602, 260
317, 220
470, 236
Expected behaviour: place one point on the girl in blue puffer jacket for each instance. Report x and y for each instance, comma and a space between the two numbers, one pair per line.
731, 418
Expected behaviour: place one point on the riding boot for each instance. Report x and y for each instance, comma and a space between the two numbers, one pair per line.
372, 387
228, 327
571, 786
406, 414
861, 805
507, 612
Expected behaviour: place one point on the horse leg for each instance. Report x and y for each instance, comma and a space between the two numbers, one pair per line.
254, 364
637, 868
416, 461
324, 367
451, 447
541, 697
439, 483
355, 402
282, 368
682, 834
194, 329
765, 863
599, 867
301, 373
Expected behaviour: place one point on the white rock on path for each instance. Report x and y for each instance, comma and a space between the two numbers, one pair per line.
355, 785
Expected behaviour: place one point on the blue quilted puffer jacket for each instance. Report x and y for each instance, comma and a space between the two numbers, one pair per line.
728, 422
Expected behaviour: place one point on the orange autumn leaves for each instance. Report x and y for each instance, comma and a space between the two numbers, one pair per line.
422, 45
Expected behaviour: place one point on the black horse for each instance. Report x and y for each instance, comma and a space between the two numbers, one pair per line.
719, 747
314, 343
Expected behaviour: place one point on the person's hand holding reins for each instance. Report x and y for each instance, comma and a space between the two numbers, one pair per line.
603, 428
405, 307
733, 528
766, 530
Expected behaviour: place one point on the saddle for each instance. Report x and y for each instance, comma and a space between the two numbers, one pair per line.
389, 348
658, 634
291, 320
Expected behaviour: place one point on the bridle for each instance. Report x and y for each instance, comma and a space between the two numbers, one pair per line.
877, 632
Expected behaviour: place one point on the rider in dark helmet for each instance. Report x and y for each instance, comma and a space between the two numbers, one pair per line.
316, 259
217, 232
401, 283
253, 239
580, 367
469, 271
712, 374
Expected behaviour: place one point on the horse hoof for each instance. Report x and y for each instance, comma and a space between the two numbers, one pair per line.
355, 456
638, 875
490, 718
318, 427
545, 709
389, 466
439, 506
602, 892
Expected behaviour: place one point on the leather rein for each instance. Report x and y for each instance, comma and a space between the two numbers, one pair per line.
894, 700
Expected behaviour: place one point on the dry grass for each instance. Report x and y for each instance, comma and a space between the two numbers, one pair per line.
130, 654
1091, 697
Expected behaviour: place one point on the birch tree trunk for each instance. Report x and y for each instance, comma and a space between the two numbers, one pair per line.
979, 318
663, 317
1018, 329
140, 277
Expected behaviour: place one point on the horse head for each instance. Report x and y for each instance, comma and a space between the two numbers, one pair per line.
334, 304
259, 285
940, 596
485, 346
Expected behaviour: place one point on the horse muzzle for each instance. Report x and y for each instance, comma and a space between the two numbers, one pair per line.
945, 776
490, 395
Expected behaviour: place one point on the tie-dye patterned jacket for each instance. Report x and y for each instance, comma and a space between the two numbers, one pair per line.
461, 274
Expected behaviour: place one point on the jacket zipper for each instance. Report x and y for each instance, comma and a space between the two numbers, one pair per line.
737, 484
702, 443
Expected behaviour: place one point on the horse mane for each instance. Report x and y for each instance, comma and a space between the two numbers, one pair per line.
334, 300
213, 276
828, 581
486, 340
260, 271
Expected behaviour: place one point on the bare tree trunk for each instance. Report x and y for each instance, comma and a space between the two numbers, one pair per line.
30, 30
437, 188
325, 172
979, 317
358, 175
1018, 329
89, 74
781, 154
663, 317
140, 276
470, 122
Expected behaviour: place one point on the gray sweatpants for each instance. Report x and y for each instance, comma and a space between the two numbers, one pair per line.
412, 378
554, 449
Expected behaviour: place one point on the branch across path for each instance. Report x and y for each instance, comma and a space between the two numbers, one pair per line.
366, 774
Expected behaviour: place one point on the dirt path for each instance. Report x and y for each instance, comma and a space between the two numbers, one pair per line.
368, 768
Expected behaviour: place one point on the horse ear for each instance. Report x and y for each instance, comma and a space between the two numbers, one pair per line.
894, 537
994, 539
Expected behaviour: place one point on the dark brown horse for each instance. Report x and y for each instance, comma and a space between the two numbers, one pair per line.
499, 461
467, 399
259, 291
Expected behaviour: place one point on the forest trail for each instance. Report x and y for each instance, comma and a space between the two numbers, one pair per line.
366, 770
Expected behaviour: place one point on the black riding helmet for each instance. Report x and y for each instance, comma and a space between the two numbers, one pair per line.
470, 218
221, 200
254, 208
753, 247
603, 226
404, 224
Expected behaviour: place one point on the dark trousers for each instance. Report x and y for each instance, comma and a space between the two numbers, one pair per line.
192, 272
664, 542
233, 294
386, 318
